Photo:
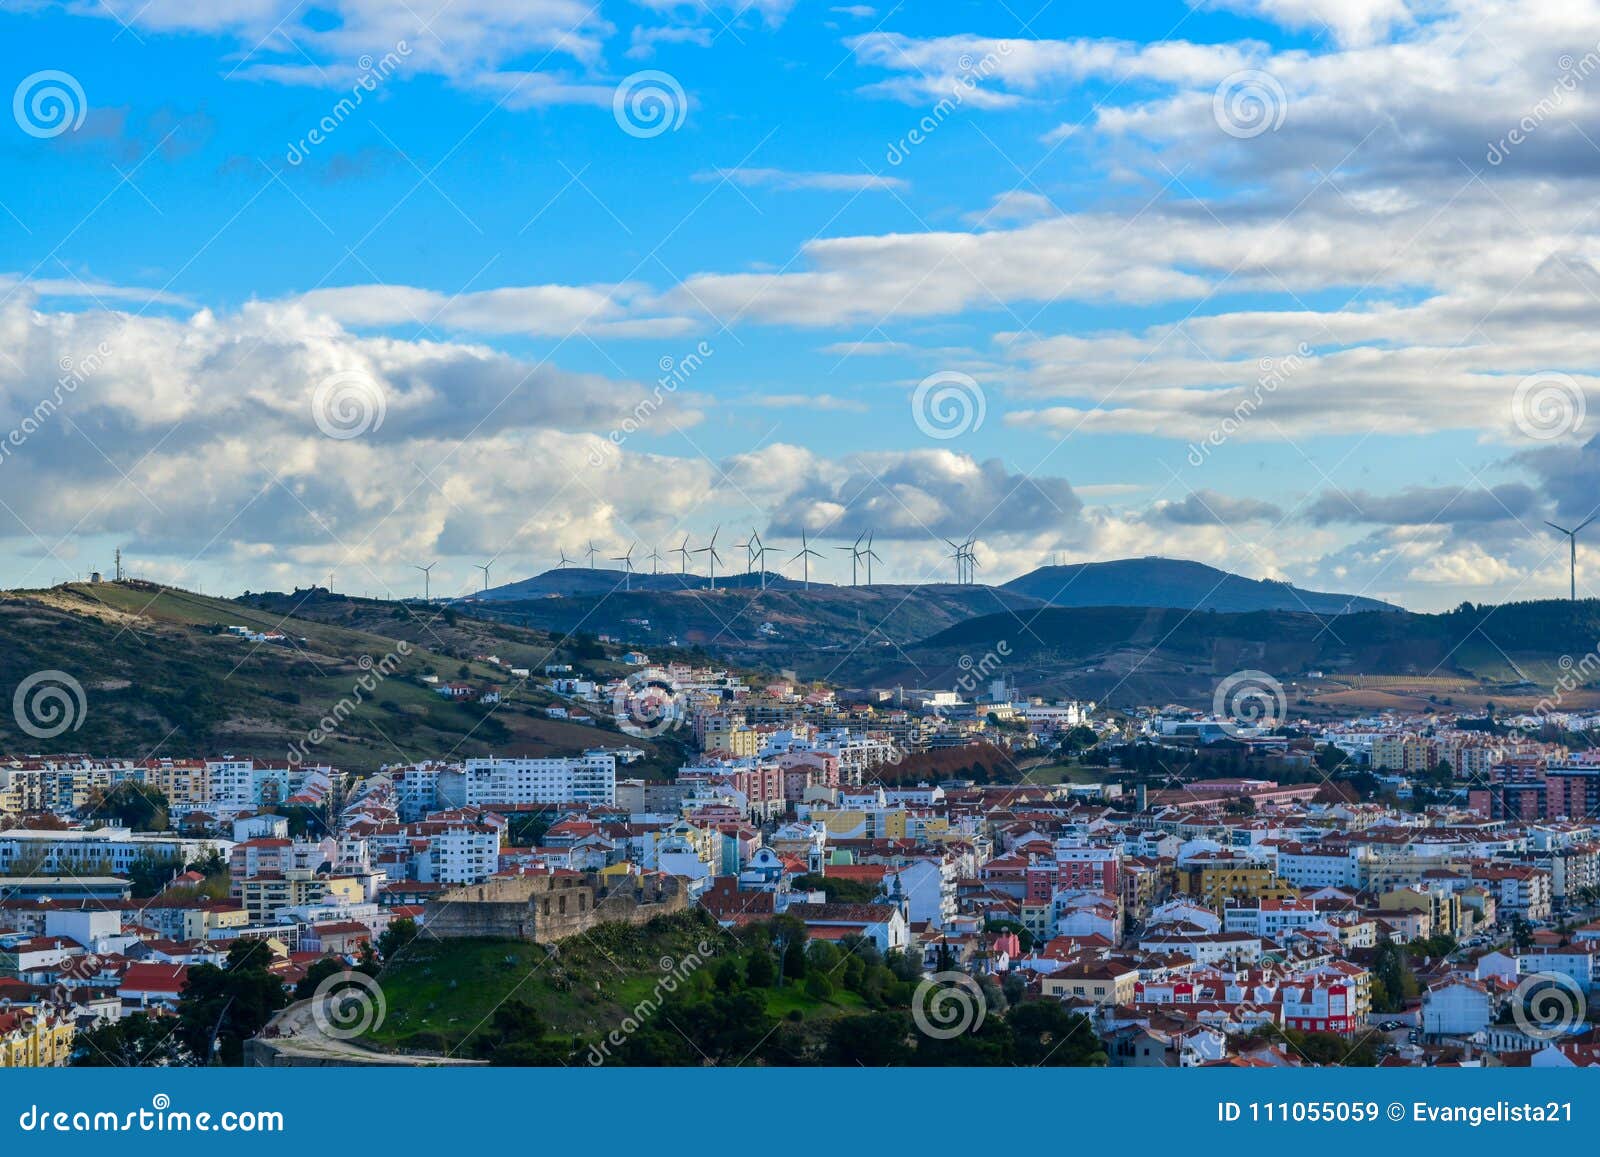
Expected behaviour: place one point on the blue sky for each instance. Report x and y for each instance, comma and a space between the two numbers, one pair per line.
1241, 282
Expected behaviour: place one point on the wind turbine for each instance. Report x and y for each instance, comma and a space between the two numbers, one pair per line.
627, 566
655, 557
972, 558
484, 567
959, 553
805, 554
855, 555
869, 554
760, 555
593, 550
683, 552
710, 549
565, 561
427, 577
1572, 543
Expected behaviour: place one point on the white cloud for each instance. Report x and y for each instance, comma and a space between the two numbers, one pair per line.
752, 178
200, 435
1353, 22
467, 41
542, 310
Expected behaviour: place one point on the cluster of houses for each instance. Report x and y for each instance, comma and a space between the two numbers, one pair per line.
1210, 922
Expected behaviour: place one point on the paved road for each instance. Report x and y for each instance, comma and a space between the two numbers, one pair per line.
300, 1041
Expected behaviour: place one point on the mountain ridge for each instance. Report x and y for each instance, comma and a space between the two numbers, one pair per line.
1178, 584
1150, 581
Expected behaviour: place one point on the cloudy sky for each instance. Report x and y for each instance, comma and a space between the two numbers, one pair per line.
1306, 289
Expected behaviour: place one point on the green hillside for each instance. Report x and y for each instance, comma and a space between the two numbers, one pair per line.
1516, 651
729, 622
683, 991
162, 676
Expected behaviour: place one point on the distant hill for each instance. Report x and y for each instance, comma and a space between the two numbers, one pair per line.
1513, 654
744, 624
1177, 583
582, 580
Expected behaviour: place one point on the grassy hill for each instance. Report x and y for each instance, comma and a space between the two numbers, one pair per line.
162, 676
442, 994
1180, 583
682, 991
1513, 654
816, 628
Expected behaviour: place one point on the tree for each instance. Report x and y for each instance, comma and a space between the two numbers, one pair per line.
221, 1008
1330, 758
904, 965
1392, 971
794, 959
838, 891
818, 986
723, 1027
875, 1039
316, 974
136, 1041
131, 805
1045, 1033
729, 975
759, 971
148, 875
516, 1036
396, 937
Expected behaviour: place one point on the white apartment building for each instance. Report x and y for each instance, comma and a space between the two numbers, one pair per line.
590, 779
461, 854
98, 852
1310, 866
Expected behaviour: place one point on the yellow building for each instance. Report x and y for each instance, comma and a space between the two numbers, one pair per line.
1036, 918
732, 736
862, 823
1098, 982
1443, 908
266, 895
29, 1040
222, 916
184, 782
1216, 882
